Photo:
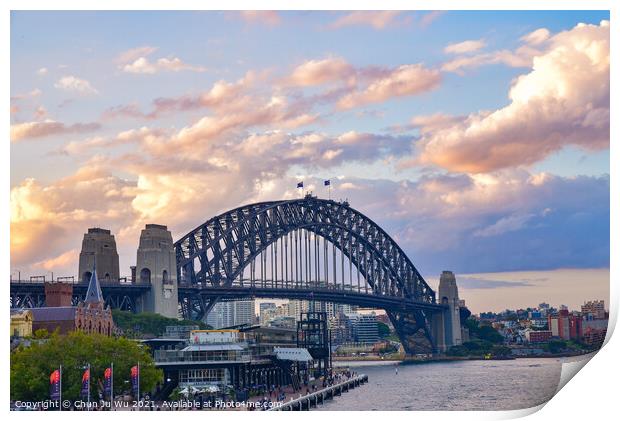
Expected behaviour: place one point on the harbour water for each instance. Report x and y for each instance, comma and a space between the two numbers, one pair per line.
454, 385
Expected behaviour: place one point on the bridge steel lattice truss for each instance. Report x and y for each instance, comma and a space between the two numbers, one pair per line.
274, 250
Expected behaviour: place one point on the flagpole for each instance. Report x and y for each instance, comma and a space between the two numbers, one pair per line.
138, 385
60, 388
88, 396
111, 385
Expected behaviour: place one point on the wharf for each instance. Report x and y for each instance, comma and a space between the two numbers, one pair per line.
305, 402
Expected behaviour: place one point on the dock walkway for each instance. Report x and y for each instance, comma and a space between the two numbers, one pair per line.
305, 402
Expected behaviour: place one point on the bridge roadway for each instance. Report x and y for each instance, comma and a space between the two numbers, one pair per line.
317, 293
124, 295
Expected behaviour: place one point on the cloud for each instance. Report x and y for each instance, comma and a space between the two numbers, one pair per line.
265, 17
430, 17
465, 47
47, 221
374, 19
174, 64
134, 54
536, 37
42, 71
40, 113
62, 261
74, 84
318, 72
32, 94
522, 57
36, 129
505, 224
405, 80
467, 282
563, 100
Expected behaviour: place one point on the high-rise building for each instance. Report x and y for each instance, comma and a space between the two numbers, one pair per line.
244, 311
231, 313
296, 307
363, 328
264, 314
594, 308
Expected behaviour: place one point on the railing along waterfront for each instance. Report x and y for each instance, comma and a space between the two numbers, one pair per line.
305, 402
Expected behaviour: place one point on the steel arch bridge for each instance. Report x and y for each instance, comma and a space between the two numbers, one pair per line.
281, 249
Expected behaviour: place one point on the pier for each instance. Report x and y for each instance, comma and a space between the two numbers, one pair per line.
304, 403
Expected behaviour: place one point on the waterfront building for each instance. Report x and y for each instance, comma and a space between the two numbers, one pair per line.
216, 360
21, 322
206, 359
558, 324
363, 328
594, 337
565, 325
179, 331
538, 323
537, 336
594, 308
90, 315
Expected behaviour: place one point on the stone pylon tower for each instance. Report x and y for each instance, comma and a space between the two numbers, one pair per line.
100, 246
449, 294
156, 265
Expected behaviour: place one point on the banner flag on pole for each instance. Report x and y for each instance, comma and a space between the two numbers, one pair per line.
300, 185
85, 383
107, 381
135, 379
55, 385
327, 183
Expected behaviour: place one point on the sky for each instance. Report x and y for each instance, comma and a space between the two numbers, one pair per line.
478, 140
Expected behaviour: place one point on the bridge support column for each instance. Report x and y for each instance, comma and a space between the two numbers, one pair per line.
156, 265
449, 295
439, 331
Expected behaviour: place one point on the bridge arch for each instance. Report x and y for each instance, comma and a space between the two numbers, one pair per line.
217, 252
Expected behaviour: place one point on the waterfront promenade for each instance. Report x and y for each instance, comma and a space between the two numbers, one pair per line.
287, 396
306, 402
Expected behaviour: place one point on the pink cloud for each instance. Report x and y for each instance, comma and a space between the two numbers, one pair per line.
36, 129
265, 17
374, 19
563, 100
405, 80
318, 72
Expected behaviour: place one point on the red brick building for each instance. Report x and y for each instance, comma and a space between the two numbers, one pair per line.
90, 315
538, 336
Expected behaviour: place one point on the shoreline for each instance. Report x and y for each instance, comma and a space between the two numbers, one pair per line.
406, 360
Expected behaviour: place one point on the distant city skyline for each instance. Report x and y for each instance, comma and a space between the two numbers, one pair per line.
478, 140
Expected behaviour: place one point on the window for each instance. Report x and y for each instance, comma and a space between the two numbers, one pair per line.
166, 279
145, 275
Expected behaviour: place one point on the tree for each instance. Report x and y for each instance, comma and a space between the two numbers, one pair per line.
555, 346
31, 366
384, 330
488, 333
145, 323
